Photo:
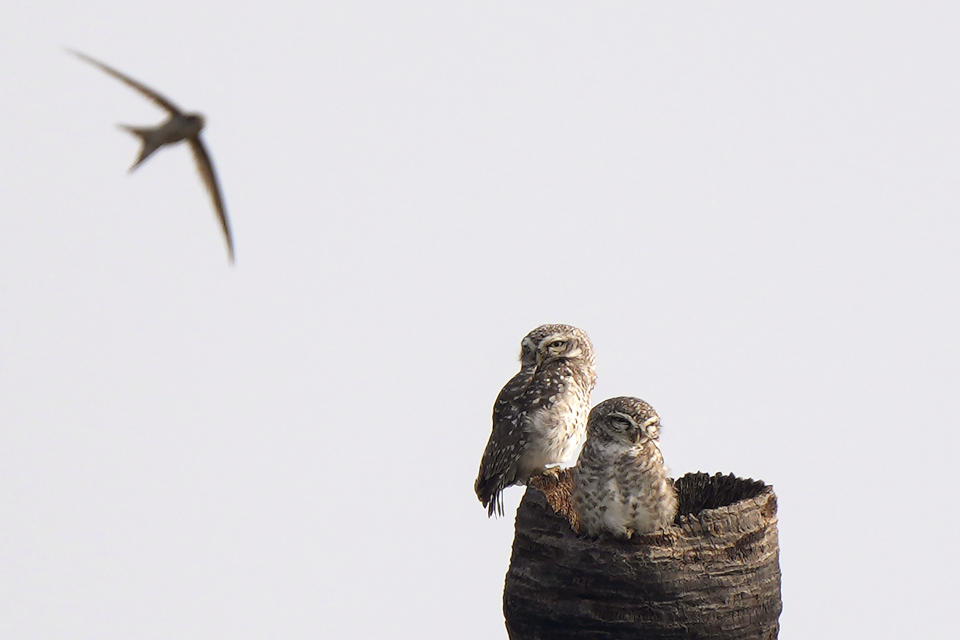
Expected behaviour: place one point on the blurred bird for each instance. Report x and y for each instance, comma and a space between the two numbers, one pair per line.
179, 126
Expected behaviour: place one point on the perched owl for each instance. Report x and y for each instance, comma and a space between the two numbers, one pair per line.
540, 416
620, 485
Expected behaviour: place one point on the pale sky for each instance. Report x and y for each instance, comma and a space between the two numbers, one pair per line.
751, 208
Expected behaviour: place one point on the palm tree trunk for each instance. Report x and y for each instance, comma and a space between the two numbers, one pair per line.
714, 575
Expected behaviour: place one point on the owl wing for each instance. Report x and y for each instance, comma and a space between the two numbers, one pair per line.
498, 468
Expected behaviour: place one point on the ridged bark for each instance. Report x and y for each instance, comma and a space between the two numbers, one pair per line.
714, 575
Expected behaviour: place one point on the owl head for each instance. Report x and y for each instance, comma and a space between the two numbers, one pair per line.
551, 342
623, 420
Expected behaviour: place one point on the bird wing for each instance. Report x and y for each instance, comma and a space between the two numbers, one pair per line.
157, 99
210, 181
498, 466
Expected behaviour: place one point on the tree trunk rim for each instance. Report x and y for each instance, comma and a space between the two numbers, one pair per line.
707, 502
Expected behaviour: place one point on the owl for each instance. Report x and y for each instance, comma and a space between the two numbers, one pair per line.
540, 416
620, 485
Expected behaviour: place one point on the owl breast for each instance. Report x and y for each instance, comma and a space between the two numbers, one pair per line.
623, 491
558, 429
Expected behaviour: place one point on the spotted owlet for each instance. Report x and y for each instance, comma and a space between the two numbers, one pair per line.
540, 416
620, 485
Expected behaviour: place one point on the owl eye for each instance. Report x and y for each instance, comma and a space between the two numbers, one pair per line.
557, 344
620, 423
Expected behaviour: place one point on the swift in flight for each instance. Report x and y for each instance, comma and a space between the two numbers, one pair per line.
179, 126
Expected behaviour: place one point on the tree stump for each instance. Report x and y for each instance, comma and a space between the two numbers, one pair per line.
715, 574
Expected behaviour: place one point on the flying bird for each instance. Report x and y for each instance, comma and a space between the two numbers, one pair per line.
179, 126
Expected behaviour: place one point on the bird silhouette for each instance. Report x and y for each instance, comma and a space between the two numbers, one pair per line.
179, 126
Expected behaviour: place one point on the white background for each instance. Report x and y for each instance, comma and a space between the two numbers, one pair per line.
751, 207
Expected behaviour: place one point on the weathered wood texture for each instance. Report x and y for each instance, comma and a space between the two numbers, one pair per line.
714, 575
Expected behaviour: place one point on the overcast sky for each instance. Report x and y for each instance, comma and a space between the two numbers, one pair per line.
750, 207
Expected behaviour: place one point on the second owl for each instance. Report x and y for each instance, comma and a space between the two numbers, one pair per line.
620, 486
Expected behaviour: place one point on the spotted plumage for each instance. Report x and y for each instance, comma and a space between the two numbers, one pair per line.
540, 416
620, 486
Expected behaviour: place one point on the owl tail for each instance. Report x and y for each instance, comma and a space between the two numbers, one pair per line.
496, 505
149, 143
490, 493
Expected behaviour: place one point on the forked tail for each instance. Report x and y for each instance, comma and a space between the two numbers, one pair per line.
147, 143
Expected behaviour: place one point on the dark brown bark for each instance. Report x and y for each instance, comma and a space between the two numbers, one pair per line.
714, 575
